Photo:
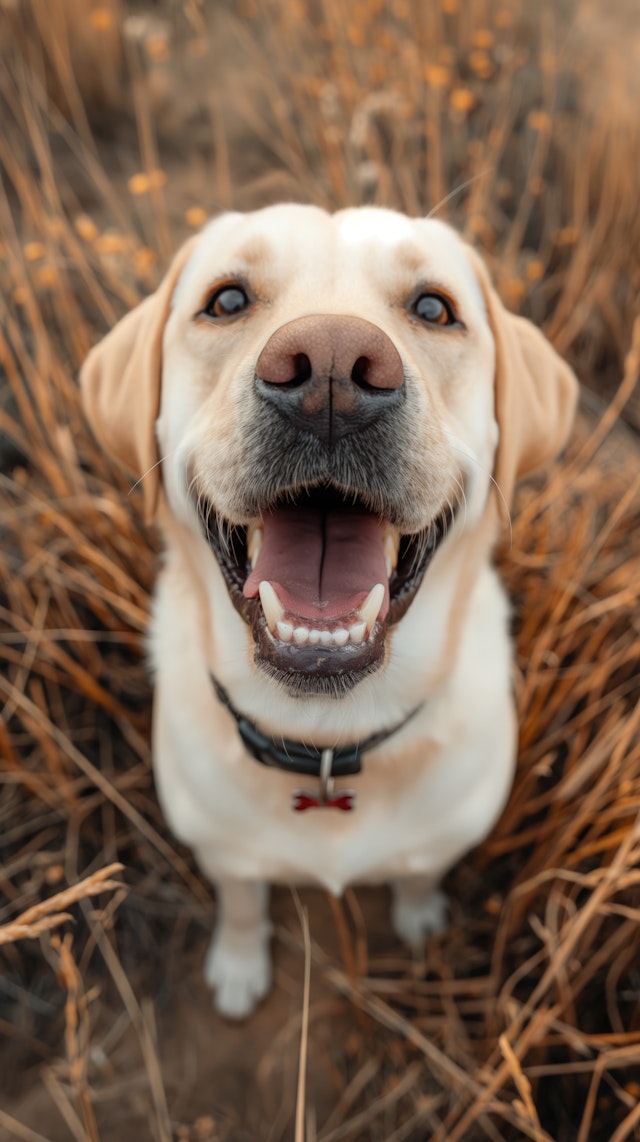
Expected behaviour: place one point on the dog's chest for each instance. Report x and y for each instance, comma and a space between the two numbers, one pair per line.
411, 815
256, 834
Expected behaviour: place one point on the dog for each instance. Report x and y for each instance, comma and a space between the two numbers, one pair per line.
328, 414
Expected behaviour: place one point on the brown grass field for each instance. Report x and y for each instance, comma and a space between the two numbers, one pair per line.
123, 127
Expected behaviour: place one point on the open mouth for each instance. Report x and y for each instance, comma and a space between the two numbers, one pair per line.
320, 579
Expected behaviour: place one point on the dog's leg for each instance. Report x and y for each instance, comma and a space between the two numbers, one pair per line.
238, 963
418, 909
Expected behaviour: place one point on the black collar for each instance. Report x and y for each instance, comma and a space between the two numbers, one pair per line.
297, 757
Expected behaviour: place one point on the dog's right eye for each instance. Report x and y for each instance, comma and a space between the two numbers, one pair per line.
227, 301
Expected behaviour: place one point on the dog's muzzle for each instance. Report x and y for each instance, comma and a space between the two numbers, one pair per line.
321, 570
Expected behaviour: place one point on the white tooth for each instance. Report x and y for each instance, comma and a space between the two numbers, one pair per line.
340, 636
391, 546
285, 631
357, 632
271, 605
370, 609
301, 635
254, 543
326, 637
314, 637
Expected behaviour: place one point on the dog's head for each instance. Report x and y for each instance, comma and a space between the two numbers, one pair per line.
331, 397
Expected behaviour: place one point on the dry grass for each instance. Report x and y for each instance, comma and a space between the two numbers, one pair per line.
524, 1021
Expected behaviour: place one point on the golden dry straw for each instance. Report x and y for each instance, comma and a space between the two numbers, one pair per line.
50, 913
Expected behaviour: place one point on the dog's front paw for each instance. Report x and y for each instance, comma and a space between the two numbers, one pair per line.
414, 918
240, 979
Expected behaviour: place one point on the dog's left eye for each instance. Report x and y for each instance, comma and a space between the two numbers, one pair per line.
227, 301
435, 309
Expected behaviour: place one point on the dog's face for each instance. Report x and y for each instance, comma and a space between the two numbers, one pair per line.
329, 419
338, 374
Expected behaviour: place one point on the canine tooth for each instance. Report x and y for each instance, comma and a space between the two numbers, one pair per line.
357, 632
326, 637
314, 637
285, 631
370, 609
271, 605
254, 543
340, 636
391, 548
301, 635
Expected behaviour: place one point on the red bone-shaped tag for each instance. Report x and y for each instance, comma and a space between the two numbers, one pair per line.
303, 800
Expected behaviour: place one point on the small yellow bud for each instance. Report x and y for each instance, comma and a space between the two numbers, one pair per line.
481, 63
143, 260
86, 227
101, 19
195, 216
539, 120
534, 271
567, 236
483, 38
111, 243
436, 76
33, 251
138, 183
157, 47
46, 277
461, 99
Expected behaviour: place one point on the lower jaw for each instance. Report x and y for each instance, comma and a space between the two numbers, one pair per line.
316, 670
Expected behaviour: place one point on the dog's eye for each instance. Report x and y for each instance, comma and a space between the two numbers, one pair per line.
227, 301
435, 309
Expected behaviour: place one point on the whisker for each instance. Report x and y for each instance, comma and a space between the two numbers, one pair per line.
468, 455
148, 471
457, 190
462, 499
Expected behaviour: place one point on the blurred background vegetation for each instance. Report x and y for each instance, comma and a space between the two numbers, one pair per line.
124, 126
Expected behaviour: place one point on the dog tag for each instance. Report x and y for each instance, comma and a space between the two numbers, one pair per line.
303, 800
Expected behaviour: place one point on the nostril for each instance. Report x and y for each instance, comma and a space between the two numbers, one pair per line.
303, 368
360, 374
290, 372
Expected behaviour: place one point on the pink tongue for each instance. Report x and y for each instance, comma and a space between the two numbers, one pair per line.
321, 565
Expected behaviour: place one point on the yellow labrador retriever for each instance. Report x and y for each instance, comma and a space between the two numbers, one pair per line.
328, 414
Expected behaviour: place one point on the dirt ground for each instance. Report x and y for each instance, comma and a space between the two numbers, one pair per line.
243, 1076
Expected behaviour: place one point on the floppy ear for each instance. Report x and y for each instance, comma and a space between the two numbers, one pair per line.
536, 392
120, 383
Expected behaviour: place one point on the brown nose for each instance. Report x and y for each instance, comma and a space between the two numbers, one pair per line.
330, 375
